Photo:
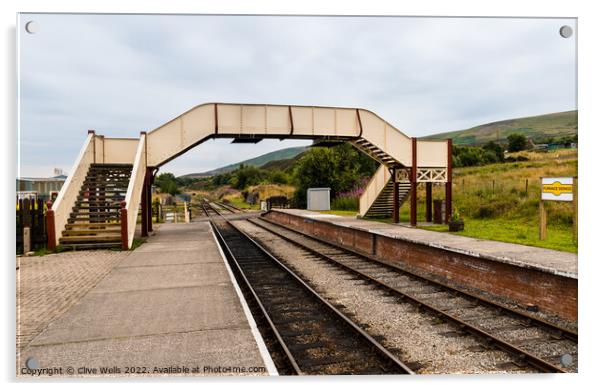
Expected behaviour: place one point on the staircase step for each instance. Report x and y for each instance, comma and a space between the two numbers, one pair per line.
89, 213
91, 232
101, 220
92, 225
100, 198
90, 239
107, 194
107, 179
117, 165
96, 207
105, 185
92, 246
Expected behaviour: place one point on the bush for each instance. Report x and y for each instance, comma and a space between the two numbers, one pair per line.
279, 177
484, 211
345, 203
245, 176
167, 183
477, 156
516, 142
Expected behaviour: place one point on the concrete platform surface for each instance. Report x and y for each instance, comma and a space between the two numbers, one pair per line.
550, 261
169, 308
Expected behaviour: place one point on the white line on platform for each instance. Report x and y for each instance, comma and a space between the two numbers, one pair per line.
263, 350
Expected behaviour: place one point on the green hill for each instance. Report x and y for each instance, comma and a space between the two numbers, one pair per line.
259, 161
537, 128
281, 165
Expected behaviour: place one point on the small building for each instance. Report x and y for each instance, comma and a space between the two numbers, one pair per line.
43, 188
541, 147
318, 198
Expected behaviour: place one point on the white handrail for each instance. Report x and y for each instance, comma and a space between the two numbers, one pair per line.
134, 191
65, 200
373, 188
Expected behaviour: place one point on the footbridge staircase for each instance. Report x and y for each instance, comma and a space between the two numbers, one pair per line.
108, 192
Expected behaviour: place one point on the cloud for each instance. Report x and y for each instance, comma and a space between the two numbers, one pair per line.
120, 74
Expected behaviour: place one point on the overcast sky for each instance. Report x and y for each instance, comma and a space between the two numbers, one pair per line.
122, 74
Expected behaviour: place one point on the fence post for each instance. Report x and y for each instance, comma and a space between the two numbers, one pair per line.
50, 229
124, 226
543, 223
527, 188
414, 182
26, 240
575, 210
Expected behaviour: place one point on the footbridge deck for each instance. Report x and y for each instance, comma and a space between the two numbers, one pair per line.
405, 161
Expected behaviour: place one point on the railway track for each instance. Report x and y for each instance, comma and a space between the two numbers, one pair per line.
312, 336
229, 207
208, 209
214, 208
531, 341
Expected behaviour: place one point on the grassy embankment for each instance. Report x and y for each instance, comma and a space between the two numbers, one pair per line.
500, 201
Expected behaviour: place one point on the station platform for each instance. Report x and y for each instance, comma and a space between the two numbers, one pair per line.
171, 307
530, 276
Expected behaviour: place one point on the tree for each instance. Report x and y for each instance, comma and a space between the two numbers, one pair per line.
246, 176
167, 183
221, 179
496, 149
516, 142
278, 177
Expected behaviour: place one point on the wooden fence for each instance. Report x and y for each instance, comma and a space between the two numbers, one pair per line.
31, 215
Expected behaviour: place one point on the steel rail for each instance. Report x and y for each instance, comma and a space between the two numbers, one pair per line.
227, 207
204, 209
264, 312
358, 330
489, 338
206, 205
216, 210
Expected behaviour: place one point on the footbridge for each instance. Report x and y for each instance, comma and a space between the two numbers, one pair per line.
110, 182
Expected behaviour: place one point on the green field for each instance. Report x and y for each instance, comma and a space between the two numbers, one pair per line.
515, 231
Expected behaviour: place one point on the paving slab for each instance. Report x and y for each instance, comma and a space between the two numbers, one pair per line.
184, 350
206, 253
170, 245
170, 302
153, 277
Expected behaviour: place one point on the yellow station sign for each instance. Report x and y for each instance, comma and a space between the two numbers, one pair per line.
557, 189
